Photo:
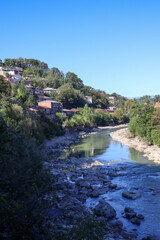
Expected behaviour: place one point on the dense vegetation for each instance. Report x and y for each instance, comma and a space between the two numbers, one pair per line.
23, 186
24, 182
71, 87
145, 122
89, 117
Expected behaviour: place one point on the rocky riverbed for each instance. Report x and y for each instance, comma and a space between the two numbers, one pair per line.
123, 136
76, 180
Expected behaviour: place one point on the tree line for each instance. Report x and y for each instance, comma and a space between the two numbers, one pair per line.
145, 122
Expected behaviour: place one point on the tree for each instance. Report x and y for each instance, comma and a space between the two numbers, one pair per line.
119, 115
70, 97
23, 188
145, 99
5, 86
128, 105
156, 98
73, 79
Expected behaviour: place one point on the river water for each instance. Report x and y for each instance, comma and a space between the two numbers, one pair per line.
139, 173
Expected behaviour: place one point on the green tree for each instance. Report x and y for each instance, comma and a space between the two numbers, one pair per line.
5, 86
70, 97
74, 80
24, 184
119, 115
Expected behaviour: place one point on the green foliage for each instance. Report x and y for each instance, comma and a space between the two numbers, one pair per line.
88, 117
102, 118
35, 126
5, 86
145, 99
87, 228
70, 97
141, 118
25, 63
61, 117
23, 95
73, 80
23, 187
155, 135
119, 116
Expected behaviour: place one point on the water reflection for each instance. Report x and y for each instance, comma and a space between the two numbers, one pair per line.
101, 147
89, 147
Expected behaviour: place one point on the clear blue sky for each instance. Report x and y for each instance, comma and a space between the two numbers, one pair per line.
112, 45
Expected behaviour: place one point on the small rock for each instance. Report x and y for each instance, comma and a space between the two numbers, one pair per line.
112, 173
112, 186
135, 221
131, 195
82, 183
130, 213
140, 216
151, 238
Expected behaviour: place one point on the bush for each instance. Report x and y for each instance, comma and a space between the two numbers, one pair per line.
102, 118
155, 135
87, 228
23, 186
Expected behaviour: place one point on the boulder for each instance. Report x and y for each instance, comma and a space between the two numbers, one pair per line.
129, 213
104, 209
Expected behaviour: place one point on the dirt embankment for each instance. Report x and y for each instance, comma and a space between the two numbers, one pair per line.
123, 136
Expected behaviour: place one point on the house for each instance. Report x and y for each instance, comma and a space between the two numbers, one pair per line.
49, 90
14, 72
70, 112
111, 109
11, 80
88, 99
51, 107
157, 104
29, 77
27, 83
43, 98
112, 99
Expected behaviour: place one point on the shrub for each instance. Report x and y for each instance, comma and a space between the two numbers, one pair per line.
155, 135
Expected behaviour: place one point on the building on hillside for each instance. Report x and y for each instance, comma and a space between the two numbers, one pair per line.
27, 83
70, 112
112, 99
29, 77
101, 110
157, 104
49, 90
12, 81
41, 98
51, 107
111, 109
88, 99
11, 71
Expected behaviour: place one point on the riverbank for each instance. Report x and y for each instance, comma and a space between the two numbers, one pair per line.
75, 180
123, 136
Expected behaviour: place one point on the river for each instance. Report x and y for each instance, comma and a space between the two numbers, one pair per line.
139, 173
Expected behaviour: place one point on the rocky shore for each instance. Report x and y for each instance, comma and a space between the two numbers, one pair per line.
123, 136
75, 180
